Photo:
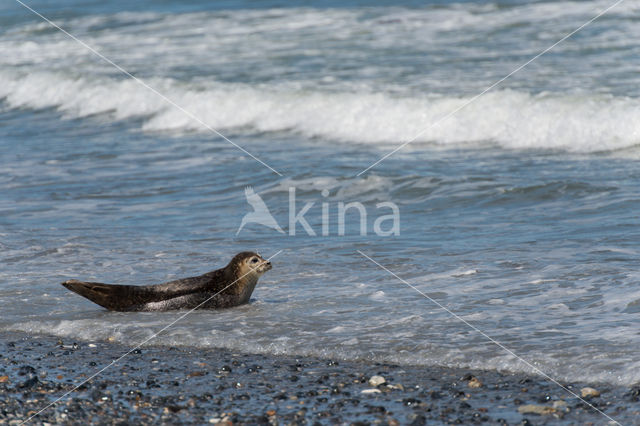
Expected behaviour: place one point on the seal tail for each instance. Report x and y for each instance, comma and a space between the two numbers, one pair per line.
111, 296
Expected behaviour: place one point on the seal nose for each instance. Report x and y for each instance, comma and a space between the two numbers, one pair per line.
268, 264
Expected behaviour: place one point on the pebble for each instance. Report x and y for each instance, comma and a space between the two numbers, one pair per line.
536, 409
474, 383
29, 383
560, 406
411, 401
26, 370
370, 391
377, 380
589, 392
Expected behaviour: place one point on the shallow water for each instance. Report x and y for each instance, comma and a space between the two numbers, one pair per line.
519, 214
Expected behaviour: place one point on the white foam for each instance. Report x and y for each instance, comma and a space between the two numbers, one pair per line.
465, 273
601, 367
576, 123
378, 295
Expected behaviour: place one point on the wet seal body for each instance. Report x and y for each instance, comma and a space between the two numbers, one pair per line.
227, 287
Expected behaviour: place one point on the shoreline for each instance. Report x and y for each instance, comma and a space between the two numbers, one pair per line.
198, 386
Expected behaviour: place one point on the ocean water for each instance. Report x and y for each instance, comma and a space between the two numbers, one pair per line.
519, 213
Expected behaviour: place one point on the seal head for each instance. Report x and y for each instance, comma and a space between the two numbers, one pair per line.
244, 270
249, 263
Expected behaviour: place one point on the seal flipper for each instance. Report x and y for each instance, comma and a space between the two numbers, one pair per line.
114, 297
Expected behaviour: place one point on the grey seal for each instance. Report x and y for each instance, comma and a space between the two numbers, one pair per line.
223, 288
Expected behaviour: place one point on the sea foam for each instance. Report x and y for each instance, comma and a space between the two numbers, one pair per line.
511, 119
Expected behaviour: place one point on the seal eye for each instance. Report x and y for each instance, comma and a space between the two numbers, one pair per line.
254, 260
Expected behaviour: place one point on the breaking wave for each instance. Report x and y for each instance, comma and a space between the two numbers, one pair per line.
511, 119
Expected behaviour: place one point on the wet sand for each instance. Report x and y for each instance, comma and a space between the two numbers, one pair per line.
205, 386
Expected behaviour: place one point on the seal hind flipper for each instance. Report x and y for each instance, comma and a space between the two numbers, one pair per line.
111, 296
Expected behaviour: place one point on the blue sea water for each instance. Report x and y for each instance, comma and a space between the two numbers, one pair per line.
519, 213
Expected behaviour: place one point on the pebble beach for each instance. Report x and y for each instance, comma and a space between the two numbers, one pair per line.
159, 385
